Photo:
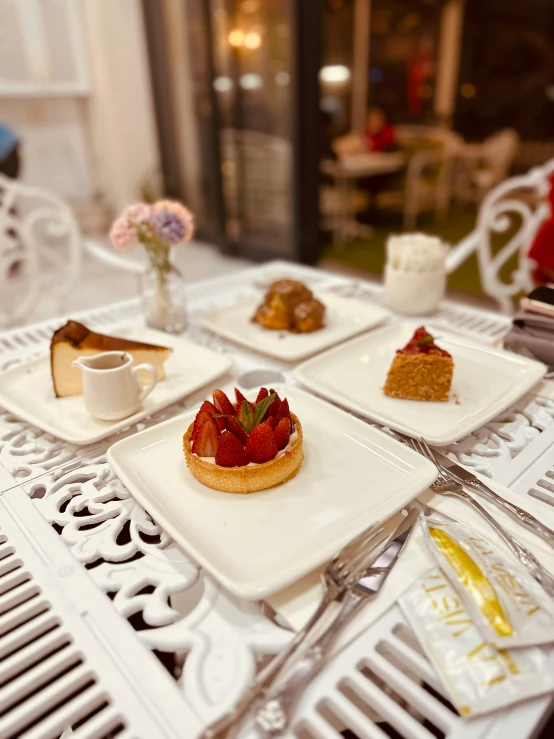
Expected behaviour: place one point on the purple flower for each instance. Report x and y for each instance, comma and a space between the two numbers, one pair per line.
183, 213
168, 226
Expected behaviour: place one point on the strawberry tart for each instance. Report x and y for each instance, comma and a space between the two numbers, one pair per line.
244, 447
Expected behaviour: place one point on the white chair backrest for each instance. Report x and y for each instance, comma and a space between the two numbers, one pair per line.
499, 151
40, 250
449, 139
524, 199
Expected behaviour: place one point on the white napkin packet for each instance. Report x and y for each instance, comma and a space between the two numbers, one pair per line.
477, 676
508, 605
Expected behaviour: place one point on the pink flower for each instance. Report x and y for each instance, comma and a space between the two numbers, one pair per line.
122, 234
139, 212
183, 213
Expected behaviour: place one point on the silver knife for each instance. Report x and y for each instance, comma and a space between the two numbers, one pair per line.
273, 717
473, 483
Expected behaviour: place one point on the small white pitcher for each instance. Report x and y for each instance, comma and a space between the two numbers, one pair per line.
111, 387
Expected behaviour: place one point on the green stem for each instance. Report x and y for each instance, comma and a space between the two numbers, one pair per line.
156, 249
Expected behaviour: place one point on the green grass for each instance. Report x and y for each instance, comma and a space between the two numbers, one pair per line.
369, 255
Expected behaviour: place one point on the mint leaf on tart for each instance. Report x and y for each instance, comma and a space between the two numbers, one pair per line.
261, 408
249, 418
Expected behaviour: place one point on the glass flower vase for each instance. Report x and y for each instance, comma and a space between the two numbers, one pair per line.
164, 301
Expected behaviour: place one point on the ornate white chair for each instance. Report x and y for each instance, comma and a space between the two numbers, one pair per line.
523, 198
41, 251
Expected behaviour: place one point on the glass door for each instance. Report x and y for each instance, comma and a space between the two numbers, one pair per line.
254, 78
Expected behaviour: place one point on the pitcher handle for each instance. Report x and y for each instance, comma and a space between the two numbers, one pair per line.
145, 390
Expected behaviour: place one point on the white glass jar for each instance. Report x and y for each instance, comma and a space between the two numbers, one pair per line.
414, 293
163, 298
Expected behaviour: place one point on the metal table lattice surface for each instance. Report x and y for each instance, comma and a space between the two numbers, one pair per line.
168, 649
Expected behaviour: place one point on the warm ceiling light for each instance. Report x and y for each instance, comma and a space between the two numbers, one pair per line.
249, 6
236, 37
334, 74
252, 40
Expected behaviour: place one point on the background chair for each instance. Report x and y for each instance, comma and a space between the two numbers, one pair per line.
482, 166
517, 208
427, 183
41, 252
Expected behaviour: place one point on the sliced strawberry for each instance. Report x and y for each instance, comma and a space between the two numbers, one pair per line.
275, 406
230, 452
212, 410
262, 394
272, 422
261, 446
205, 443
222, 403
240, 397
282, 433
209, 407
283, 411
235, 428
201, 417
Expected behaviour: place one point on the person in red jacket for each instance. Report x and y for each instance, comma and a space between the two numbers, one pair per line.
379, 137
379, 133
542, 248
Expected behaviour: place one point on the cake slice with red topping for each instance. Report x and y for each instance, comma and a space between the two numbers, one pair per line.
421, 370
246, 446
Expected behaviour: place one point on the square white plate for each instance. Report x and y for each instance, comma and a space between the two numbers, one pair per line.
486, 381
344, 318
256, 544
27, 391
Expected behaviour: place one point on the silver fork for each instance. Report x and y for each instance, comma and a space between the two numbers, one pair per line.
446, 485
335, 578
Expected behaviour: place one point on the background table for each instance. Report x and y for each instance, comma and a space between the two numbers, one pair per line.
119, 632
345, 172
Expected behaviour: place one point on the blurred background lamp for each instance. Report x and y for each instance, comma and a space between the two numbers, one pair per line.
467, 90
223, 84
334, 73
252, 40
251, 81
236, 37
282, 78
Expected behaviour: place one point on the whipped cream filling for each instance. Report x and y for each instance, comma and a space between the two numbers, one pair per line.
293, 437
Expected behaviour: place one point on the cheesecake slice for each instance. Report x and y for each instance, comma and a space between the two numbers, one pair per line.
75, 340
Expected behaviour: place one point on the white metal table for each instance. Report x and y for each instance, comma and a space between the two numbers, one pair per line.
107, 628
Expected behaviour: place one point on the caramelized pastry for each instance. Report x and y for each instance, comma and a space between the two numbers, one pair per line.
276, 320
290, 306
308, 316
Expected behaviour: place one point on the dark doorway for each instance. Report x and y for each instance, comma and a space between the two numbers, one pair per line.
507, 69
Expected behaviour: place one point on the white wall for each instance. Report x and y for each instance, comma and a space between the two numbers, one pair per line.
74, 83
121, 118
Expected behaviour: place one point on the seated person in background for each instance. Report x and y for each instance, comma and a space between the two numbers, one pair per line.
379, 136
9, 152
379, 133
